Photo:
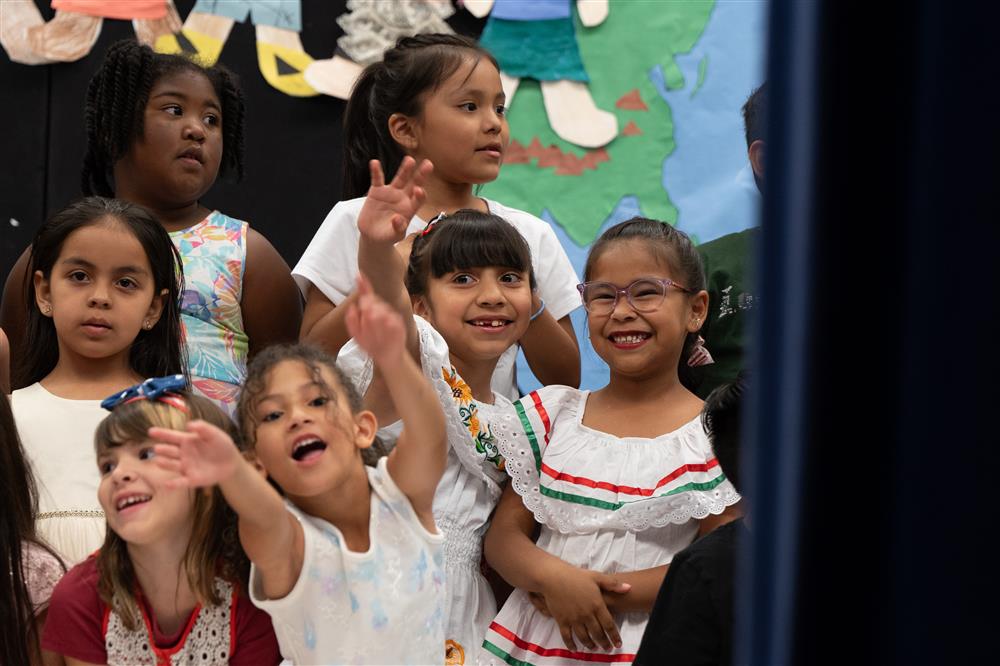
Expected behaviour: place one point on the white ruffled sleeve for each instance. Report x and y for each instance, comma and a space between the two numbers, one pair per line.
577, 480
470, 430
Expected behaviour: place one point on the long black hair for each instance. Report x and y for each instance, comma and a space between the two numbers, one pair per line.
466, 239
116, 104
396, 84
156, 352
19, 640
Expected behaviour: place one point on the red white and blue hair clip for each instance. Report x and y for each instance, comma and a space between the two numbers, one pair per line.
160, 389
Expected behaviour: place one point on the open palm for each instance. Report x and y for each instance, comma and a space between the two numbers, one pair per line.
388, 209
203, 455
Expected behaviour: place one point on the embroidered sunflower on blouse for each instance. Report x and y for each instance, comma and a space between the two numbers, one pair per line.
482, 437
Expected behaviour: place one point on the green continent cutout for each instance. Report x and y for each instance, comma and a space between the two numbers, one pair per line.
618, 55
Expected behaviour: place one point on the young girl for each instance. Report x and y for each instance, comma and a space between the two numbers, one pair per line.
28, 568
103, 314
349, 564
169, 584
437, 97
619, 479
160, 129
470, 281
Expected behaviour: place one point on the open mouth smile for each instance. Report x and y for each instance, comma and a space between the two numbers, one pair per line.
628, 339
128, 501
491, 324
308, 449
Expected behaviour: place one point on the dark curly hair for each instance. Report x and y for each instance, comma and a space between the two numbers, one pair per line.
396, 84
116, 102
313, 358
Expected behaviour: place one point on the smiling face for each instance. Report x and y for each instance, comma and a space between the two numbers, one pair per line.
176, 159
99, 293
639, 344
462, 127
480, 312
306, 436
139, 507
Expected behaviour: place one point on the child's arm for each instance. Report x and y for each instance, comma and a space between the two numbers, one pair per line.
323, 322
551, 349
645, 583
382, 223
418, 460
573, 596
204, 455
271, 304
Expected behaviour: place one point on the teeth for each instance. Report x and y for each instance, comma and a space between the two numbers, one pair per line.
306, 442
491, 323
629, 339
134, 499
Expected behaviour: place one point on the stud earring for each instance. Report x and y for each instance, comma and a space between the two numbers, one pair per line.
46, 309
146, 324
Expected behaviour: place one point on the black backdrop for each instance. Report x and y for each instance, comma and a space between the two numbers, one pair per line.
293, 144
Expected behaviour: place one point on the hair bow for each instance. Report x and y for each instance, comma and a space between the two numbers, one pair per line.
161, 389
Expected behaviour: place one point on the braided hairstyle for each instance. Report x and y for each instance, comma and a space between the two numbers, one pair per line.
396, 84
116, 103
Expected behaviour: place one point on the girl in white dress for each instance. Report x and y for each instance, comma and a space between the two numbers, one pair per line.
103, 314
620, 479
470, 284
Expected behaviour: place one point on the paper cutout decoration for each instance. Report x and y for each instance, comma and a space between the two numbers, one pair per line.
280, 55
537, 40
74, 30
370, 28
554, 178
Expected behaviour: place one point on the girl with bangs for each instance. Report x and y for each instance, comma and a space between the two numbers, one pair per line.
469, 283
169, 584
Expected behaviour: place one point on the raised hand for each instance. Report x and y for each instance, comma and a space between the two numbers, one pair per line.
574, 599
388, 208
376, 327
203, 455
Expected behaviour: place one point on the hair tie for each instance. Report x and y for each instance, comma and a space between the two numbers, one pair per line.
160, 389
699, 354
430, 225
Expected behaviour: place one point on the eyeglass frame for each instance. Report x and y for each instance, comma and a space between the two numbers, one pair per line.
665, 282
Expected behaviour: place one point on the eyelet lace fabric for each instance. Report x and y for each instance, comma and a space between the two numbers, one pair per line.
373, 26
585, 480
206, 643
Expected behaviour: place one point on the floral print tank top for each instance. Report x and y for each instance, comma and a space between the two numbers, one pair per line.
214, 256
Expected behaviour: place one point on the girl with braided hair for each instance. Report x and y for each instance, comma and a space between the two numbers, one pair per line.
160, 130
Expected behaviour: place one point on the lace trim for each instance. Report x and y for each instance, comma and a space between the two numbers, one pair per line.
206, 641
71, 513
570, 518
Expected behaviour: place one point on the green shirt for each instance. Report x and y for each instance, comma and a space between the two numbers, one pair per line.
730, 296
